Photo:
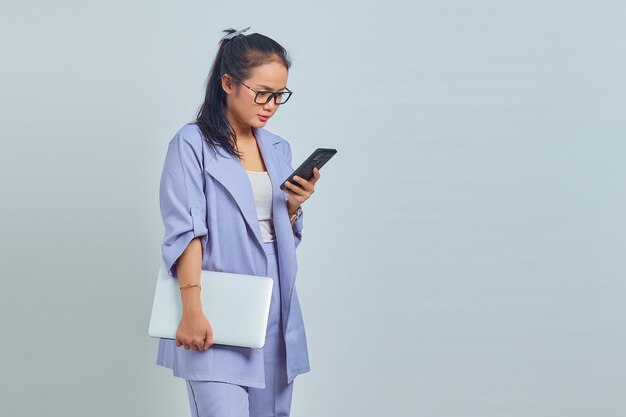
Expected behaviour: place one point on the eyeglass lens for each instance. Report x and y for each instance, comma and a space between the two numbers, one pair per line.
264, 97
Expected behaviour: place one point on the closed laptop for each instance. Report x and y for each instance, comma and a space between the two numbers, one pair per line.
236, 305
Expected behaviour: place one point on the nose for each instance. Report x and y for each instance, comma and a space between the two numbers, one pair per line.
270, 106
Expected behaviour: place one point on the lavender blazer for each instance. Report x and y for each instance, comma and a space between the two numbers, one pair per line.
203, 194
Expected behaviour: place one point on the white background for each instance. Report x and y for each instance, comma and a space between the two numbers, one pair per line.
463, 254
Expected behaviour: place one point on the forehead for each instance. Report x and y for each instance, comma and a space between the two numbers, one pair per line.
272, 76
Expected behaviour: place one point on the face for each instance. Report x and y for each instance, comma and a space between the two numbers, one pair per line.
242, 110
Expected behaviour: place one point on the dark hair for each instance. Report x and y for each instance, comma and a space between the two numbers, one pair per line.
237, 56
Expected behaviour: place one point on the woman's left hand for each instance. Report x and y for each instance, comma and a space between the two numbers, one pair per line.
298, 195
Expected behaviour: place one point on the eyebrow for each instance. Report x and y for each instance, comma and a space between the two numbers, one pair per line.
268, 87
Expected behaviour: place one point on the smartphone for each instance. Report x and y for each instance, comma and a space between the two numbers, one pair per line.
318, 158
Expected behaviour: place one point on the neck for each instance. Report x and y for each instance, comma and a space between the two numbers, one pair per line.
243, 131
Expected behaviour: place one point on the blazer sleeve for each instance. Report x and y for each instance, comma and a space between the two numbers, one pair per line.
298, 225
182, 199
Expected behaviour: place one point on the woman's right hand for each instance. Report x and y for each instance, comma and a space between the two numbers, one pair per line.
194, 331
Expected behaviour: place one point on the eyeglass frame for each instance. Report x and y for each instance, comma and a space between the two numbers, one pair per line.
273, 94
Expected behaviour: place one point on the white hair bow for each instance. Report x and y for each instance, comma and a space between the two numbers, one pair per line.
232, 35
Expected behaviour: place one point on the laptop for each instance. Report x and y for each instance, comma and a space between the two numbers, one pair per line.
236, 305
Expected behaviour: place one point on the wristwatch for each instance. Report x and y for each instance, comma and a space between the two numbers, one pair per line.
296, 215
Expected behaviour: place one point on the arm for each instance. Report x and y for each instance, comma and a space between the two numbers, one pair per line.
183, 210
189, 266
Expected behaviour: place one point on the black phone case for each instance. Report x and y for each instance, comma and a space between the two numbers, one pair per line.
318, 159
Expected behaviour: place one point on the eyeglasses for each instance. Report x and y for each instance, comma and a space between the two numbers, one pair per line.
264, 97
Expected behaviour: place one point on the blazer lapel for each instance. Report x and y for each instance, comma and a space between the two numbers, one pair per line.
279, 169
232, 175
280, 217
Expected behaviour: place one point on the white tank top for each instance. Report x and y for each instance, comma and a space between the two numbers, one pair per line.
262, 189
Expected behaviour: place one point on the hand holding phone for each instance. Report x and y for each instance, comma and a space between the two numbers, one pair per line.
318, 159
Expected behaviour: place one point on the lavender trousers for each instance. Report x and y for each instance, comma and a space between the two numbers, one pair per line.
221, 399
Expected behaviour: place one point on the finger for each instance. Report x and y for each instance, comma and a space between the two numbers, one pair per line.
316, 176
292, 185
206, 344
305, 187
295, 189
308, 186
305, 184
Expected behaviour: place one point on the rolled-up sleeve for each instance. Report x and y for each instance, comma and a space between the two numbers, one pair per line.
297, 229
182, 199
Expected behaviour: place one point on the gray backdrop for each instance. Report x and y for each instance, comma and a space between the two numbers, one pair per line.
463, 254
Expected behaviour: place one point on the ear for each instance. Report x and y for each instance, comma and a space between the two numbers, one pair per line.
227, 83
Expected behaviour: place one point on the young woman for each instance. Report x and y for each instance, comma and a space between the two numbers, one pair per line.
223, 210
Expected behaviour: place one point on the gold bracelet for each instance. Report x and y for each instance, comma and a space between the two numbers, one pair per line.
189, 285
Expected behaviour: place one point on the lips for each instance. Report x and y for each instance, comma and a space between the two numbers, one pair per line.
263, 117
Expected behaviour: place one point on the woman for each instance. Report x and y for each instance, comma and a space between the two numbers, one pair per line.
223, 210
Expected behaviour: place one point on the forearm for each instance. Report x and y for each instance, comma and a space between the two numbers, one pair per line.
189, 267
